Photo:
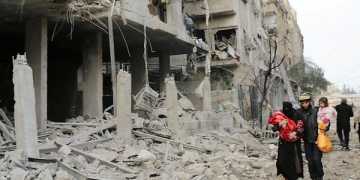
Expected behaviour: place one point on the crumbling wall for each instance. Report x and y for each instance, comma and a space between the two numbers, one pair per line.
141, 9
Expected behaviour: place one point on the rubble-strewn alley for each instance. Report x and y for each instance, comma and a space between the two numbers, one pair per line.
87, 148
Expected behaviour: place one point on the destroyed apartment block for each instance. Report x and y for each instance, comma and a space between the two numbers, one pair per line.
70, 120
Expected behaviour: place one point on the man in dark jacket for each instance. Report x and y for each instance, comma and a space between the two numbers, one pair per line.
313, 155
343, 122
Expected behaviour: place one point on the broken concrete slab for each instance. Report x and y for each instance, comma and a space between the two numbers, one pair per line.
45, 175
107, 163
146, 155
19, 174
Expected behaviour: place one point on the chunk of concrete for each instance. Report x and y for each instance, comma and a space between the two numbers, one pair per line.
79, 161
189, 157
18, 174
109, 155
45, 175
62, 175
147, 166
64, 150
146, 155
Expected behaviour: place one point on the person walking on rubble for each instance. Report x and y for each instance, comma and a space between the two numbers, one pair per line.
189, 23
289, 162
343, 122
357, 122
313, 155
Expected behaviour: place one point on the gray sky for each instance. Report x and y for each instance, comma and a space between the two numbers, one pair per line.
331, 31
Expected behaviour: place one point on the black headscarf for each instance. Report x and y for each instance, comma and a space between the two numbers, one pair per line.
288, 109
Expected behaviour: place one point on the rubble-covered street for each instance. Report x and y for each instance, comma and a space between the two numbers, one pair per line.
87, 148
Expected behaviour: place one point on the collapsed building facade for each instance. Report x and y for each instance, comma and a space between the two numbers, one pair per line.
130, 66
238, 34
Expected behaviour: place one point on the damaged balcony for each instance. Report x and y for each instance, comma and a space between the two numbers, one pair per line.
129, 16
216, 8
270, 8
225, 49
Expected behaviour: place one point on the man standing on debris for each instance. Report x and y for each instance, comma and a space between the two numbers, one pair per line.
289, 162
189, 24
313, 155
343, 122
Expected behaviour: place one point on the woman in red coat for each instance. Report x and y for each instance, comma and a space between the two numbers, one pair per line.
289, 162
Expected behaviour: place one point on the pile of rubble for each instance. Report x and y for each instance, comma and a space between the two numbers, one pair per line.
87, 148
226, 49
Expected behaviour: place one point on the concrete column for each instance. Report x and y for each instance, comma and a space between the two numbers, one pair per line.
123, 107
25, 113
36, 51
207, 94
137, 70
164, 66
92, 74
172, 104
175, 16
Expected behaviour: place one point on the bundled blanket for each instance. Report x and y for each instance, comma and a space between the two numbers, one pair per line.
285, 130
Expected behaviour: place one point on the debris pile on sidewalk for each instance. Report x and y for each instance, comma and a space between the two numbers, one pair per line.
87, 148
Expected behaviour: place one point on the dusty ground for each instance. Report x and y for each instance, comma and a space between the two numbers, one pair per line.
340, 164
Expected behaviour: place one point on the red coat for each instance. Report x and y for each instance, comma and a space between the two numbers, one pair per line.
291, 126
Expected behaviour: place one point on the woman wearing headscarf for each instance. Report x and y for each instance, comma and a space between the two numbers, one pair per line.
289, 162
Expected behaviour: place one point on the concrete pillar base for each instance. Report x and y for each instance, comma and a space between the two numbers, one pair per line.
123, 107
172, 105
25, 113
207, 94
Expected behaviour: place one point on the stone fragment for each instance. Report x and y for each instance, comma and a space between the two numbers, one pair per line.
164, 176
80, 162
94, 167
189, 157
64, 150
217, 168
255, 165
272, 146
18, 174
196, 169
148, 166
129, 152
105, 154
146, 155
62, 175
16, 158
45, 175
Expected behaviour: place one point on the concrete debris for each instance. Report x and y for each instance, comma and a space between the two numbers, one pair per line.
84, 149
146, 155
64, 150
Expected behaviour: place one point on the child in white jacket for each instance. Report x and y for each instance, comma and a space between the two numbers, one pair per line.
325, 112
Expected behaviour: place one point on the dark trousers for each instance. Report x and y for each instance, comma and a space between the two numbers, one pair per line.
346, 134
189, 28
313, 156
